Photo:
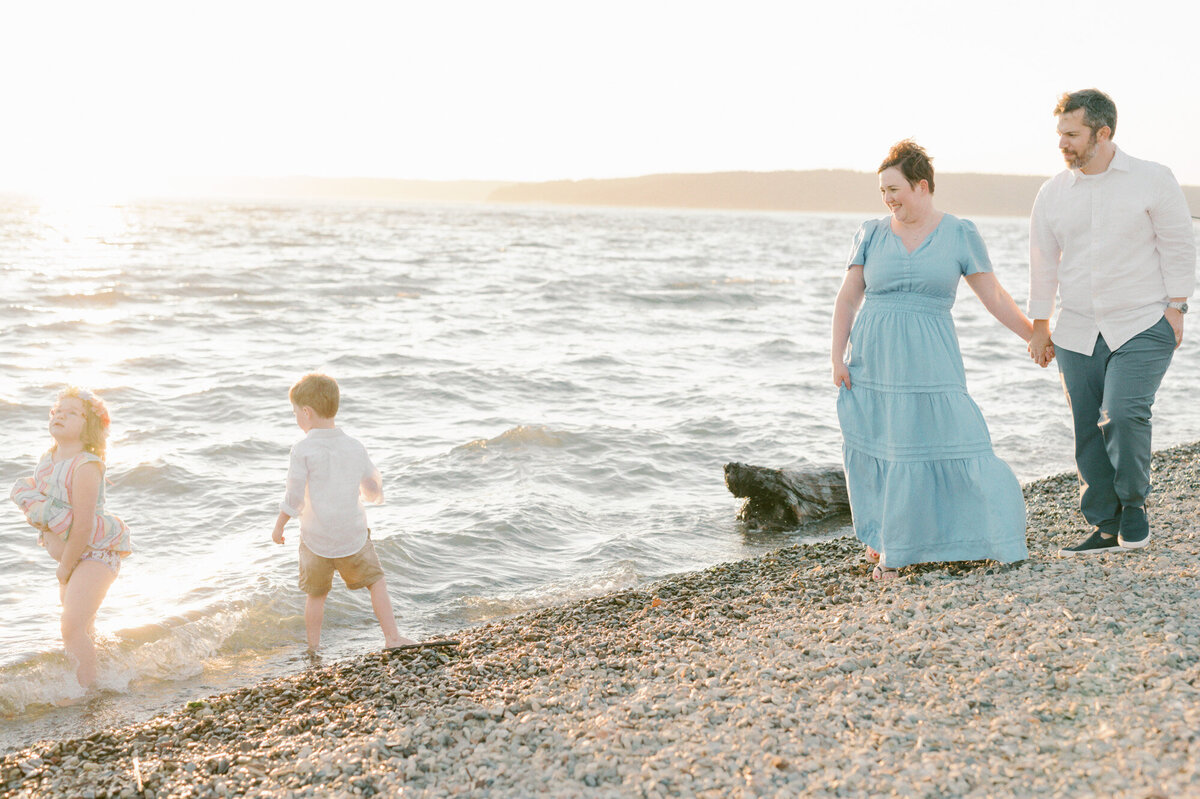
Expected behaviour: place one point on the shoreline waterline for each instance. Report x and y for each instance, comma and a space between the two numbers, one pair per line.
778, 674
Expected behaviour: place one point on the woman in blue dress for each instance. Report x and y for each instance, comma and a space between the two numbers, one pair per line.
924, 483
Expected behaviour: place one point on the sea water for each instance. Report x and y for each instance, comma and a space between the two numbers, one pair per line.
549, 393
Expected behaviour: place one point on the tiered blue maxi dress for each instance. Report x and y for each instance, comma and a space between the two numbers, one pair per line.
924, 483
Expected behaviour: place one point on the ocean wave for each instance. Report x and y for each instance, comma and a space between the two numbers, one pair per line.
234, 399
17, 410
132, 244
484, 388
45, 679
155, 363
154, 653
250, 448
540, 245
600, 362
693, 299
776, 347
158, 475
519, 437
176, 649
695, 285
97, 299
70, 327
18, 310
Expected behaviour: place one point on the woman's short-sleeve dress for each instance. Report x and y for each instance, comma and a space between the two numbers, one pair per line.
923, 480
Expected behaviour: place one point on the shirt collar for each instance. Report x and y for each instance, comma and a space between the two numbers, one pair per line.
324, 432
1120, 162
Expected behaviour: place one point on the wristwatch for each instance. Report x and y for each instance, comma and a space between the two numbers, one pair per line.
1178, 306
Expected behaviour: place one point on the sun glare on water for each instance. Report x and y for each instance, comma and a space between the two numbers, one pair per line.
80, 215
74, 267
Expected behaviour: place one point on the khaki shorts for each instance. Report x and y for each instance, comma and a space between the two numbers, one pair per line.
359, 570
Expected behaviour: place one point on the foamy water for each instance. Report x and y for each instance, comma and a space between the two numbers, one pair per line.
550, 395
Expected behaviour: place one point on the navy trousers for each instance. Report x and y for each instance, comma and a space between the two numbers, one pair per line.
1110, 394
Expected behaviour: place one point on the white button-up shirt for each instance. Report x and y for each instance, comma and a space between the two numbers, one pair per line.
1115, 246
328, 478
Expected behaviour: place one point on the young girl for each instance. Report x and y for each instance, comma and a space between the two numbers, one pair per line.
64, 500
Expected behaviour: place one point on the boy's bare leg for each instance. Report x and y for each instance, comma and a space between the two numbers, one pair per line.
382, 604
81, 599
314, 614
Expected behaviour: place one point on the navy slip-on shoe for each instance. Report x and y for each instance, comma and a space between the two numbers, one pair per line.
1094, 544
1135, 529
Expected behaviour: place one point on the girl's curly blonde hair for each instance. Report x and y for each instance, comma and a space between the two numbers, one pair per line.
95, 419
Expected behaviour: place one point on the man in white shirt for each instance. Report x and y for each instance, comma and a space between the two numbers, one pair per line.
1112, 235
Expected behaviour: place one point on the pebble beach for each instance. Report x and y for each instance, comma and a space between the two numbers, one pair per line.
790, 674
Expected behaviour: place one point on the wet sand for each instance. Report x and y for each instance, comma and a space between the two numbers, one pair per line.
789, 674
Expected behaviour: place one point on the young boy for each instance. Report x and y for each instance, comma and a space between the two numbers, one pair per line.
328, 478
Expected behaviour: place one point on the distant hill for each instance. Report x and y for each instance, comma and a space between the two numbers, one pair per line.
337, 189
966, 194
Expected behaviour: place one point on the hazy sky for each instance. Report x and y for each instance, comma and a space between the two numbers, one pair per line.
112, 93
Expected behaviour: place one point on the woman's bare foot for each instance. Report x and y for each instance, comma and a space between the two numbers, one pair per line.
883, 573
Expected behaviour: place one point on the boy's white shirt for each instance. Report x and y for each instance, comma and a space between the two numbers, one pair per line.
329, 476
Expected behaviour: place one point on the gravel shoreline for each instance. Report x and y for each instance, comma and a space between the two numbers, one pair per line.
788, 674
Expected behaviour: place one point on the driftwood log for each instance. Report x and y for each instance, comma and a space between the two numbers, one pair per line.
778, 499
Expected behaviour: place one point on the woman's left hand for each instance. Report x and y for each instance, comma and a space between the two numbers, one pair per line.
841, 375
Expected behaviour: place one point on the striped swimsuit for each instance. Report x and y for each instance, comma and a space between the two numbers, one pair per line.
45, 499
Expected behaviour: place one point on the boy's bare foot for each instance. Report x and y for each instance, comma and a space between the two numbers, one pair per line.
397, 642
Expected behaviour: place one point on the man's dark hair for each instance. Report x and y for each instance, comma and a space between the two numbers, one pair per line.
1099, 110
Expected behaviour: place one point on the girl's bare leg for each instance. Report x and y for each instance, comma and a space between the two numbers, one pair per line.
81, 598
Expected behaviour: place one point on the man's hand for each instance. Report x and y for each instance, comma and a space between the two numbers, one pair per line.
1048, 353
1175, 320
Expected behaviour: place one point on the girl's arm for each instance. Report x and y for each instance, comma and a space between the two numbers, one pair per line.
1000, 303
845, 308
85, 490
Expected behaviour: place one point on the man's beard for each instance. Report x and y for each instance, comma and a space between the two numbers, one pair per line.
1080, 161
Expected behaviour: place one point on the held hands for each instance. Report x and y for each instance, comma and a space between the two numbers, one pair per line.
1041, 348
1043, 358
